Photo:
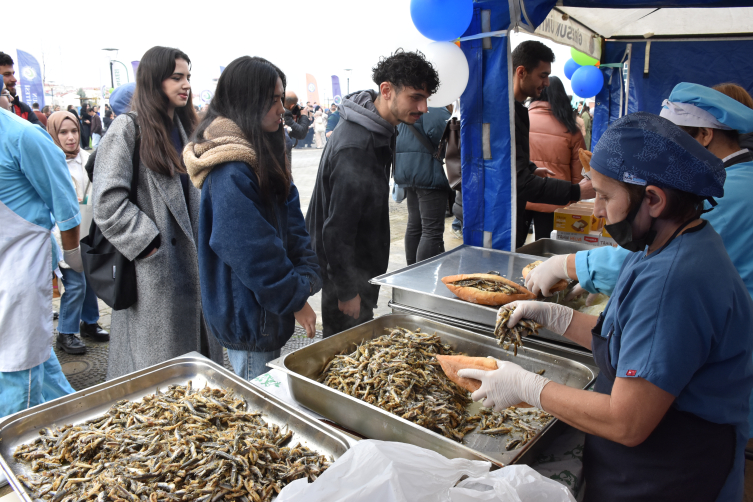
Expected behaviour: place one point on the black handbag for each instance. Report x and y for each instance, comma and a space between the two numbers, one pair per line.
111, 275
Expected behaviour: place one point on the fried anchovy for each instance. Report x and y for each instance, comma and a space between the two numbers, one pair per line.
512, 336
178, 444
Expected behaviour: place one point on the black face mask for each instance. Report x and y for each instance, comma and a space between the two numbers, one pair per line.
622, 232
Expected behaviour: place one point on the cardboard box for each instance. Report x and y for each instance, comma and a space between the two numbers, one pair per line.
593, 238
573, 219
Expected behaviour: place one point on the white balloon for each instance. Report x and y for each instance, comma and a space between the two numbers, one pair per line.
452, 68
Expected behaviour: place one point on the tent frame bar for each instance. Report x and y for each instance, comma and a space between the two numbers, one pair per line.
744, 36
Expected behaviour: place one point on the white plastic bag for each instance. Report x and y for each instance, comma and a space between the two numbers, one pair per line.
385, 472
515, 483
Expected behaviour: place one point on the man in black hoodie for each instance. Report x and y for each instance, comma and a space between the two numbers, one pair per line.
348, 216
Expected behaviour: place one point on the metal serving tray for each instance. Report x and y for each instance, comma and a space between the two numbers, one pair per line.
75, 408
305, 365
420, 286
551, 247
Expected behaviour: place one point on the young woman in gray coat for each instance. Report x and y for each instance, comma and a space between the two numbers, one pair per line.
160, 231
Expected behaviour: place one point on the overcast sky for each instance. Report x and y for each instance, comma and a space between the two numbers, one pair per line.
321, 37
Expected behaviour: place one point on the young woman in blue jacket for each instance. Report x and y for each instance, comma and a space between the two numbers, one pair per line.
256, 264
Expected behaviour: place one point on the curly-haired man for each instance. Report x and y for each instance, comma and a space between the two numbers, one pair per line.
348, 216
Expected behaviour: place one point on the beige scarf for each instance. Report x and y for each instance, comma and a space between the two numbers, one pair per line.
226, 143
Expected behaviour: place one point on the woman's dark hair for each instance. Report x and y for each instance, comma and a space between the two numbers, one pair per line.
151, 104
84, 109
406, 69
560, 104
681, 206
244, 95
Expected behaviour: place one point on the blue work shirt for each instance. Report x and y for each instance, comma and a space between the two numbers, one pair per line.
732, 218
34, 179
687, 327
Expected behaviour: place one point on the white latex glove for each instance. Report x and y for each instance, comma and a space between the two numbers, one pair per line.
72, 258
552, 316
578, 291
546, 275
506, 386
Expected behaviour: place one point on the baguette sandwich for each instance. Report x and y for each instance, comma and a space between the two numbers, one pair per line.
486, 289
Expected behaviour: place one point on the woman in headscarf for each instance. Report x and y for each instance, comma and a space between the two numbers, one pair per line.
79, 312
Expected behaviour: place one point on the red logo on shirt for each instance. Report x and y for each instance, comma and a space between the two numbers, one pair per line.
631, 373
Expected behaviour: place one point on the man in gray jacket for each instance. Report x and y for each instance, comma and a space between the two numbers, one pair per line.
348, 216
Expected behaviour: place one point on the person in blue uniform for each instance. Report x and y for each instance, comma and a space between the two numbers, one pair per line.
716, 121
36, 193
668, 418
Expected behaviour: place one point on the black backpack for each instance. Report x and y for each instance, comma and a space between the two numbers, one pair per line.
111, 275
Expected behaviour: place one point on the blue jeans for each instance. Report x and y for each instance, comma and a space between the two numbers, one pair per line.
78, 302
20, 390
95, 139
249, 365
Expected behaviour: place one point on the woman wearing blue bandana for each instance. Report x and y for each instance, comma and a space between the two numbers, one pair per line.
668, 418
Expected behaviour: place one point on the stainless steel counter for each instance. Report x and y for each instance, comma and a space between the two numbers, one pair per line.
546, 248
419, 289
78, 407
305, 365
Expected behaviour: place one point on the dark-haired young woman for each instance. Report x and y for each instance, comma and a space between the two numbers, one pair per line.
255, 258
555, 140
160, 230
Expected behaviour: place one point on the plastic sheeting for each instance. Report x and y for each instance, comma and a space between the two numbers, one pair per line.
705, 62
614, 23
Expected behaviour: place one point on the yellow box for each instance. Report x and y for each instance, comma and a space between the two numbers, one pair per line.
596, 223
569, 219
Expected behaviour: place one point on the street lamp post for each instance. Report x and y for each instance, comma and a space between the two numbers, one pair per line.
348, 70
112, 79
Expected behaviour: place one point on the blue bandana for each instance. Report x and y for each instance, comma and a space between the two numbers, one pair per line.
645, 149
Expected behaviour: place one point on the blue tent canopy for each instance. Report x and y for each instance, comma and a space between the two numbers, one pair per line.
660, 43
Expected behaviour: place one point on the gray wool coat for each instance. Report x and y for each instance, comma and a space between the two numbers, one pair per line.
166, 321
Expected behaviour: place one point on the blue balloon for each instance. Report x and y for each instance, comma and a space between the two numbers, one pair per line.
570, 68
587, 81
441, 20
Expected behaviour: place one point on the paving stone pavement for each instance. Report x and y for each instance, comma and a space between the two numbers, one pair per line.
89, 369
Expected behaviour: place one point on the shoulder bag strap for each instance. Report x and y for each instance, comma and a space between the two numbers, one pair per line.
423, 140
135, 159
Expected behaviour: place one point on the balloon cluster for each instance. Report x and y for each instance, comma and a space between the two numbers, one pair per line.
444, 21
583, 71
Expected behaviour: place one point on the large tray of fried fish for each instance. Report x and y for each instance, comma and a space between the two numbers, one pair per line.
381, 380
186, 429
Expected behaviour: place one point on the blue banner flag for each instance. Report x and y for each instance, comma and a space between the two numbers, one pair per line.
32, 90
338, 97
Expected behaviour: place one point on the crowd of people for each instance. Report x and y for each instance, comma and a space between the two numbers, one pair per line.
206, 209
187, 199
